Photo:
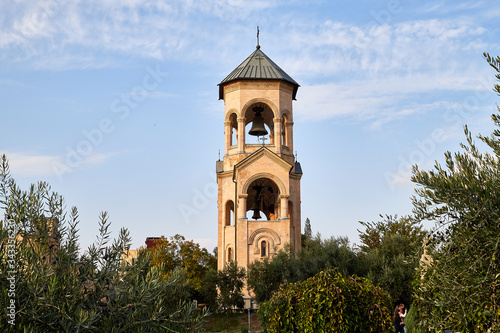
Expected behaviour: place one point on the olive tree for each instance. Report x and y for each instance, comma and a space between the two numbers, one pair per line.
459, 288
48, 285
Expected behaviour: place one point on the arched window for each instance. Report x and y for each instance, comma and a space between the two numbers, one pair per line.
229, 254
234, 130
229, 213
263, 248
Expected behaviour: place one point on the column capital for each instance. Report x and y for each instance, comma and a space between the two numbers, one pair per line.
241, 119
243, 196
284, 196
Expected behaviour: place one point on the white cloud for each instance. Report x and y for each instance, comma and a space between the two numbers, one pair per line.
330, 48
379, 98
70, 32
27, 164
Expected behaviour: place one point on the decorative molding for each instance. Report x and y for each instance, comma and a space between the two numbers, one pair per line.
231, 88
272, 235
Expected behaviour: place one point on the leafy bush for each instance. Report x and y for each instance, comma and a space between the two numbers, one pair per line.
328, 302
267, 276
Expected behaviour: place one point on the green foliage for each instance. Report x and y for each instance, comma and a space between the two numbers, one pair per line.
459, 290
391, 253
409, 230
308, 229
56, 289
230, 283
267, 276
209, 289
328, 302
179, 252
412, 321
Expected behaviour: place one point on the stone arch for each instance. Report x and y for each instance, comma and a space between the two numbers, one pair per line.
266, 234
287, 114
231, 122
269, 114
270, 176
285, 135
254, 101
231, 112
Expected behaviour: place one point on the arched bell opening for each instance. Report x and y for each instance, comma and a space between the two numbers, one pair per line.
259, 124
263, 200
233, 127
229, 213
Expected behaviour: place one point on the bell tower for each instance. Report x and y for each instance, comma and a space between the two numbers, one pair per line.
258, 178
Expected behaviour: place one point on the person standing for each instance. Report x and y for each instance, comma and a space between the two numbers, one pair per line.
402, 314
396, 320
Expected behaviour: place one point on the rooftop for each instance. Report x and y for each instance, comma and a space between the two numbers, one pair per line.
258, 66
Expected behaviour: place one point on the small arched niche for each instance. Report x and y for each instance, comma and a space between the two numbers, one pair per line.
263, 200
229, 213
264, 248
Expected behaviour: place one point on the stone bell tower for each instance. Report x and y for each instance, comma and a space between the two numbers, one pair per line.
258, 178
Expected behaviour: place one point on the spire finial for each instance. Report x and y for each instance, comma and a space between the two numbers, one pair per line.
258, 45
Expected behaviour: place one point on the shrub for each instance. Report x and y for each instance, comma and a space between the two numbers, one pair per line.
328, 302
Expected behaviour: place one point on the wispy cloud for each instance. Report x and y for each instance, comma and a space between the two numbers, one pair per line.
71, 32
378, 98
331, 48
28, 164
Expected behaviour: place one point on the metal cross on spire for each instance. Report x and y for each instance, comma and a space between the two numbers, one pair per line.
258, 45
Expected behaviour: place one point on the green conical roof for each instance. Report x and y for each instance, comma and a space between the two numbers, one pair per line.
258, 66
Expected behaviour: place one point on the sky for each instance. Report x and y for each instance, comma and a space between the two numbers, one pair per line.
115, 102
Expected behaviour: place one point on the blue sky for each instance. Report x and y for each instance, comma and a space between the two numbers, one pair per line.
115, 103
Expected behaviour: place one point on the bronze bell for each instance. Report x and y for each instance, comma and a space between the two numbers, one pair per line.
256, 211
258, 128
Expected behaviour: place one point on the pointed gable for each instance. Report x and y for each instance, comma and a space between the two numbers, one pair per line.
264, 154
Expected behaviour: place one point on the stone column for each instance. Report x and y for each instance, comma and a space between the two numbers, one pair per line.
284, 206
277, 134
242, 206
242, 232
289, 135
227, 132
241, 134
